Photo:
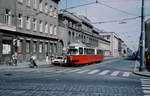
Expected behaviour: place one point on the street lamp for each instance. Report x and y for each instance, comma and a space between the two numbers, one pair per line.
142, 39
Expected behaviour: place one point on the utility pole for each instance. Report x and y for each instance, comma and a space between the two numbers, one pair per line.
142, 39
66, 5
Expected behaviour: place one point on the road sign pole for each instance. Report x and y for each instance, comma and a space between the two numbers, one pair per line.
142, 39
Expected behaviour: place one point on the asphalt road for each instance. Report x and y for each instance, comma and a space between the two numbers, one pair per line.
111, 77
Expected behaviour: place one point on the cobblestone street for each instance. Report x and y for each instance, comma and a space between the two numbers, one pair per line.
89, 80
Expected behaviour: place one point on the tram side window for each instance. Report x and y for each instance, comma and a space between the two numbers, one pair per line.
80, 50
85, 51
100, 52
90, 51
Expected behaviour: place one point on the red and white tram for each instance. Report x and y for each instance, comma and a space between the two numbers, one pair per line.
79, 54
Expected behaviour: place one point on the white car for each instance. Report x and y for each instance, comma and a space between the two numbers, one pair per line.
59, 60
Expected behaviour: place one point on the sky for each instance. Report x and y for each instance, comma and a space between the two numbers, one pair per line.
129, 31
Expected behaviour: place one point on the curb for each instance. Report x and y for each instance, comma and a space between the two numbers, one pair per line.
138, 73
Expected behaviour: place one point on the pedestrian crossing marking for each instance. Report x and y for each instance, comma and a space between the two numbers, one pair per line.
146, 86
82, 71
126, 74
115, 73
74, 70
93, 72
104, 72
146, 91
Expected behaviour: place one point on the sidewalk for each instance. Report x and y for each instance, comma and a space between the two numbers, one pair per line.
39, 63
23, 65
145, 72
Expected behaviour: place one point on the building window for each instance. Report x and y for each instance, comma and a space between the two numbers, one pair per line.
46, 27
28, 2
51, 11
35, 4
8, 17
20, 21
28, 23
41, 26
41, 5
20, 1
46, 8
35, 24
55, 12
34, 47
28, 46
51, 29
55, 30
108, 37
20, 46
40, 48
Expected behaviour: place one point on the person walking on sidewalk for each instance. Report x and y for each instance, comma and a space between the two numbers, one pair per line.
47, 59
32, 61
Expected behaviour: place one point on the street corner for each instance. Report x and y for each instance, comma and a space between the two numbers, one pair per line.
143, 72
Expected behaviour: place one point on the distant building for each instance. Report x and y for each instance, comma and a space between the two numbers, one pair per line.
28, 26
114, 42
147, 33
73, 28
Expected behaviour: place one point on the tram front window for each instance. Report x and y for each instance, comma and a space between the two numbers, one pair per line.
73, 51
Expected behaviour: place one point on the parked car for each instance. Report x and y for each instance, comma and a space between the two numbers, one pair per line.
58, 61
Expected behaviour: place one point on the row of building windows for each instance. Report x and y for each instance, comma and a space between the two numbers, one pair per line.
43, 26
82, 38
41, 47
43, 7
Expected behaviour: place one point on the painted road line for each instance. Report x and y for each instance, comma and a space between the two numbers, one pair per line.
93, 72
115, 73
60, 71
104, 72
74, 70
126, 74
82, 71
145, 88
146, 91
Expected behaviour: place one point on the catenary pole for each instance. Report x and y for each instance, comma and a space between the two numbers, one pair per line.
142, 39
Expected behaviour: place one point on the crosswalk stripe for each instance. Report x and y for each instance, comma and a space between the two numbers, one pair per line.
146, 95
82, 71
104, 72
126, 74
146, 91
145, 87
93, 72
74, 70
115, 73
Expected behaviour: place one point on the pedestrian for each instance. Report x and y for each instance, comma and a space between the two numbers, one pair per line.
47, 59
51, 62
32, 61
14, 58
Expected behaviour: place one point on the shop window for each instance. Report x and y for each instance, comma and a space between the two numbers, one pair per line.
6, 47
46, 48
34, 47
40, 47
28, 46
20, 46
